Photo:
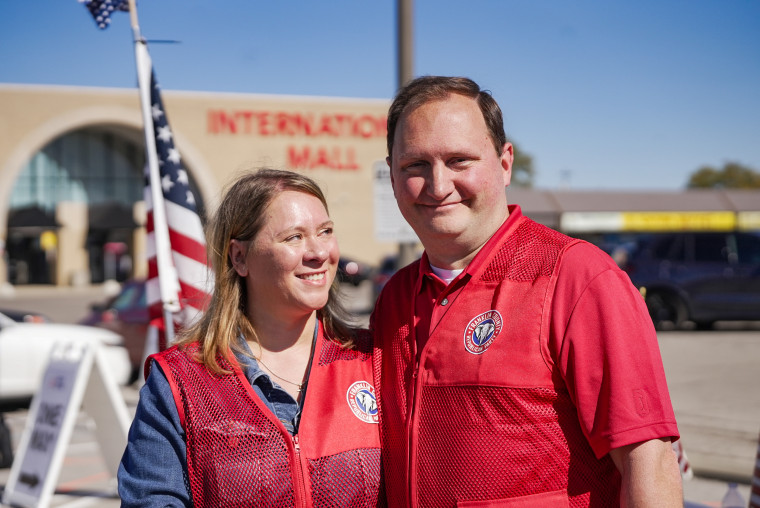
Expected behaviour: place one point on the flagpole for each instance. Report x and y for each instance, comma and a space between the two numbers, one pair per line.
167, 277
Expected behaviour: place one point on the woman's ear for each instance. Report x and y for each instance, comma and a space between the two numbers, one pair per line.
238, 253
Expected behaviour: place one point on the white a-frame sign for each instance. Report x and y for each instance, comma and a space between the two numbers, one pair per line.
77, 377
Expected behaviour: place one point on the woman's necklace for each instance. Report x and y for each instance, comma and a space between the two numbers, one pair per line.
299, 385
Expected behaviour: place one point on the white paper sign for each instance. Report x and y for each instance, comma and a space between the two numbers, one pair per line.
390, 225
76, 376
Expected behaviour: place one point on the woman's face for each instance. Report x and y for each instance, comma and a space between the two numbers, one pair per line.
291, 263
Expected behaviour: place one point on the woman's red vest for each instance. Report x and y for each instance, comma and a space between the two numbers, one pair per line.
239, 454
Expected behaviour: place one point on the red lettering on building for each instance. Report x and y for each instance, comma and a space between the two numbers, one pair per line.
322, 157
299, 159
245, 117
283, 123
221, 123
264, 124
367, 126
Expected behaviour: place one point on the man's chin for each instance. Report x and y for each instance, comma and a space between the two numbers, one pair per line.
440, 230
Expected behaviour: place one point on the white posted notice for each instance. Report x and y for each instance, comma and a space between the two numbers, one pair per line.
390, 225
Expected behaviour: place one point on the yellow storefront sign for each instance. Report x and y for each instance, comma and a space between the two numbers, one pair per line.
749, 221
48, 240
678, 221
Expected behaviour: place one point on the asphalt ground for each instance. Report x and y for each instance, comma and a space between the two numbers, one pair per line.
712, 378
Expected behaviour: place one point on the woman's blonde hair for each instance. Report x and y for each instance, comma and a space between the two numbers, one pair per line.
240, 216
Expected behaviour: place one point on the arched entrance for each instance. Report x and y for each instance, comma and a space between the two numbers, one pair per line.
77, 201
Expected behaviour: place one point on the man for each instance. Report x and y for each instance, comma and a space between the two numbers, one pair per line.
516, 366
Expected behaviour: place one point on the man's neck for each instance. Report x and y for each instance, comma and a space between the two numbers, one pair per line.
456, 253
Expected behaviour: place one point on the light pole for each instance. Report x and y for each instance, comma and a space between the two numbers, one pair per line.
405, 19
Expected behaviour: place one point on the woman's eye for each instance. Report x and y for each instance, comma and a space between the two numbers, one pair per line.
293, 238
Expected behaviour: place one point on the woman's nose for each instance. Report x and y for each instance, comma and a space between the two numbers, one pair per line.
316, 249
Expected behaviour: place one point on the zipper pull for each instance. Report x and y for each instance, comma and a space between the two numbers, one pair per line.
296, 444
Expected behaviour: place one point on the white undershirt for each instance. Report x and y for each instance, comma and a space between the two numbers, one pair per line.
446, 275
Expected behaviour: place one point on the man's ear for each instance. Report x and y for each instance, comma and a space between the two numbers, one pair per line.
388, 162
238, 253
507, 159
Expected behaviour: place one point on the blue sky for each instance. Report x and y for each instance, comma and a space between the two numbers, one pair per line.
603, 94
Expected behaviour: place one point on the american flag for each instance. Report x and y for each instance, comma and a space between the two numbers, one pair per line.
188, 247
101, 10
185, 276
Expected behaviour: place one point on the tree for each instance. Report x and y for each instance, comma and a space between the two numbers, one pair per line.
522, 169
732, 176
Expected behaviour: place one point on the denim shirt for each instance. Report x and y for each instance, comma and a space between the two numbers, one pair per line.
153, 470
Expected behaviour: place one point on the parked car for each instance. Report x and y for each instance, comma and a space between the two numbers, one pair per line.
126, 314
698, 277
389, 265
25, 350
23, 316
353, 272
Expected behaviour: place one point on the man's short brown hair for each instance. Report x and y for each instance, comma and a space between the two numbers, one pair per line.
426, 89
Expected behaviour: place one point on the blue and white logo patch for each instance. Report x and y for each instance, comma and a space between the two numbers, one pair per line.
482, 331
361, 400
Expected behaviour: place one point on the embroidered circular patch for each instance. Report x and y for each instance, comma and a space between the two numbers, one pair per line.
482, 331
361, 400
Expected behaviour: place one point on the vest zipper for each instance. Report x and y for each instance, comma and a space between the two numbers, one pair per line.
301, 494
412, 446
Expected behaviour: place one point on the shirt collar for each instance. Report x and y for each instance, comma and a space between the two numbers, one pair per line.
248, 365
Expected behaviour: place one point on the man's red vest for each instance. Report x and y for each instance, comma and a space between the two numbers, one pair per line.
462, 426
239, 454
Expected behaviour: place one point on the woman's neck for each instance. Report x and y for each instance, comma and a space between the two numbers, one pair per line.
275, 335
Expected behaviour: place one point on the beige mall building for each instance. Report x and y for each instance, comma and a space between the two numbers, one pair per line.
72, 158
71, 179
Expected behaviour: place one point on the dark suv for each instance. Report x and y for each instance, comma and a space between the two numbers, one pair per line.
698, 277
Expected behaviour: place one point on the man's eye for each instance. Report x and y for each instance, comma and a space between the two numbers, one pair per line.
293, 238
326, 232
414, 166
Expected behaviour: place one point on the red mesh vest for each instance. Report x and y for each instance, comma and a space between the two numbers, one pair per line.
239, 454
496, 428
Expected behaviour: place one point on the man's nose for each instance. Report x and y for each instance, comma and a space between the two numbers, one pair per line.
439, 181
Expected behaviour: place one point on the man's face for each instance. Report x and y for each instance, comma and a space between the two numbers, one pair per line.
448, 179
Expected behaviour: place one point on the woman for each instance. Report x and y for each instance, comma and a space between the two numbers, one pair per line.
267, 400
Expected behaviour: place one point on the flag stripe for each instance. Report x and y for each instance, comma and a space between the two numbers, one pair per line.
187, 247
191, 223
194, 273
181, 243
193, 297
177, 214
